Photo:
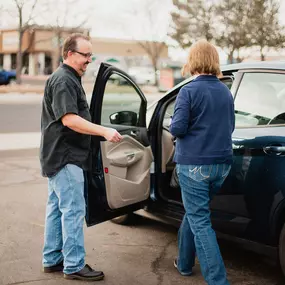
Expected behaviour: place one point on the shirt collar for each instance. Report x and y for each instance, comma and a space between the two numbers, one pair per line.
68, 67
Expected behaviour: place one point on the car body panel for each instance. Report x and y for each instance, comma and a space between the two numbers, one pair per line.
6, 76
250, 205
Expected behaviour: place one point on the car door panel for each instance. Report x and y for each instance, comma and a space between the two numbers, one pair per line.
119, 179
127, 179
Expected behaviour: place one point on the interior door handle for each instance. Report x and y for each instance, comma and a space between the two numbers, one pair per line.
134, 133
274, 149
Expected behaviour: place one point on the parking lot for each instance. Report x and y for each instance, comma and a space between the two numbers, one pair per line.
141, 254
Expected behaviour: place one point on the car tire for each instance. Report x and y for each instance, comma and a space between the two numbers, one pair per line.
12, 81
282, 249
128, 219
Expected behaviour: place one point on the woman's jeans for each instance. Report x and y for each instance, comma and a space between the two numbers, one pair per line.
198, 183
65, 214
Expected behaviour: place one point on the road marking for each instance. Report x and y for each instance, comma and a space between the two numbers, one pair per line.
15, 141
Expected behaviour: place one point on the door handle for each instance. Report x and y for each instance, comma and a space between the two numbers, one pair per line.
278, 150
134, 133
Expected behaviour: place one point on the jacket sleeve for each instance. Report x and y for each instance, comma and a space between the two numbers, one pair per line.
180, 119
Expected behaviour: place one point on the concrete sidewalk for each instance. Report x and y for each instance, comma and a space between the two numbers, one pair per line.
16, 141
37, 87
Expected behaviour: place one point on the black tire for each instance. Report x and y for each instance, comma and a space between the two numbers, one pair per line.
12, 80
128, 219
282, 249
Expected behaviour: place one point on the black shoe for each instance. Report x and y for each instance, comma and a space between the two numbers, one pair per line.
55, 268
86, 274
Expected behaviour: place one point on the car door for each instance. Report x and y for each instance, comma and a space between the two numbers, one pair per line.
244, 205
119, 179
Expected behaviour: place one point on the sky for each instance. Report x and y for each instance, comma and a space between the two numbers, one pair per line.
127, 19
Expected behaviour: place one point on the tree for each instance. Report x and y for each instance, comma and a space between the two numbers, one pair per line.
23, 25
151, 19
266, 31
234, 26
192, 20
68, 18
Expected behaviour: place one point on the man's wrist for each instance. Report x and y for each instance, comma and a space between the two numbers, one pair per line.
102, 131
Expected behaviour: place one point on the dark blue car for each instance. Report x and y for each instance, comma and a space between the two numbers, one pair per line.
7, 76
136, 173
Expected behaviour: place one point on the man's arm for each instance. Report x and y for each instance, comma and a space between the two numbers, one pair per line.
80, 125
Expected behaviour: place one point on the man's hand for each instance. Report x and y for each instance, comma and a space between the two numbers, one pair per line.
112, 135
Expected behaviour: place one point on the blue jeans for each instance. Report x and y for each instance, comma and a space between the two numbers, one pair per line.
65, 212
198, 183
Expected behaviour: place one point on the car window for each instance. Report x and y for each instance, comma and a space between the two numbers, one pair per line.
228, 79
260, 100
121, 102
168, 115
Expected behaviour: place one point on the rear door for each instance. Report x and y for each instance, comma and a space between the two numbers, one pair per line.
119, 179
248, 196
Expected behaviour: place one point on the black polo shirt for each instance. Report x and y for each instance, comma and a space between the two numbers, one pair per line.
60, 145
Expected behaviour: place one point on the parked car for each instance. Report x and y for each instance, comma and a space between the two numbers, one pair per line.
135, 173
142, 75
7, 76
139, 75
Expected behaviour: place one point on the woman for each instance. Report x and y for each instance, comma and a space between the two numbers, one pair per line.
203, 123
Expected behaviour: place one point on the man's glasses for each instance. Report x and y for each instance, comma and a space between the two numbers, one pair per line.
86, 55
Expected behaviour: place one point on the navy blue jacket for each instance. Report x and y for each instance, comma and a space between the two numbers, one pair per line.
203, 122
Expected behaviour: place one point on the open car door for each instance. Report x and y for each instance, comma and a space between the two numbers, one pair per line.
119, 179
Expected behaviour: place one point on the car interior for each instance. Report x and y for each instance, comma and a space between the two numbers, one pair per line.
168, 182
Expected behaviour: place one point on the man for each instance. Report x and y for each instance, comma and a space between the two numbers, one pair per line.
64, 153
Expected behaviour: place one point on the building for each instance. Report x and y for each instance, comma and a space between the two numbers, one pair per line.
40, 47
42, 50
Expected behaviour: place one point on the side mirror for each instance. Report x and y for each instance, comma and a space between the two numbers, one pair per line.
127, 118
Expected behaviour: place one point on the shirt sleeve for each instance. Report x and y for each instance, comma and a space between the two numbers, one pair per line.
64, 100
180, 119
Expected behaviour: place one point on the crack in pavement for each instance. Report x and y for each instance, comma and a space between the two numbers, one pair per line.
32, 281
156, 263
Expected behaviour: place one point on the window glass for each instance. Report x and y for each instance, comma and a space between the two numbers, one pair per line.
260, 100
121, 102
228, 82
168, 115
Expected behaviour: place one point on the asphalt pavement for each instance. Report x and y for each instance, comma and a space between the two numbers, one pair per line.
138, 254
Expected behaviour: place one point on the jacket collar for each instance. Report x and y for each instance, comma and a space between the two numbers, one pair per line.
206, 78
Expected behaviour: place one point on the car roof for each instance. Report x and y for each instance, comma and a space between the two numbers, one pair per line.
279, 65
259, 65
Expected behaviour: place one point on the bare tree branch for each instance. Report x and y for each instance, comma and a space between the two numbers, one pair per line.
153, 47
31, 13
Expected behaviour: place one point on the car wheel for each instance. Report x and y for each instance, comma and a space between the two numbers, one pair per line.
128, 219
12, 81
282, 249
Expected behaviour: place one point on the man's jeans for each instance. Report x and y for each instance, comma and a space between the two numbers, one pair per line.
198, 183
65, 214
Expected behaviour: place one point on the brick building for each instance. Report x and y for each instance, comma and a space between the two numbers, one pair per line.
42, 48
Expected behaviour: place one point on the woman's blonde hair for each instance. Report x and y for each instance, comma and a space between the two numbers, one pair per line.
203, 58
